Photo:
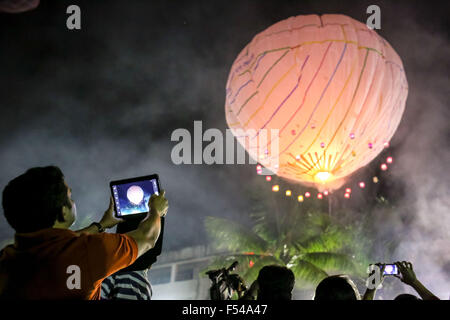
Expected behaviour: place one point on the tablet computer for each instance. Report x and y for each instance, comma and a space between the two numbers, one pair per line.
131, 195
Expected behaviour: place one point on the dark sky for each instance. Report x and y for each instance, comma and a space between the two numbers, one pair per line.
102, 102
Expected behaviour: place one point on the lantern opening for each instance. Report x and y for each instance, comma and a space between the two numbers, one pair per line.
322, 176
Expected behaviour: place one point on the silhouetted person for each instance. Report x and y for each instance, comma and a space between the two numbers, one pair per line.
406, 297
339, 287
49, 261
273, 283
408, 276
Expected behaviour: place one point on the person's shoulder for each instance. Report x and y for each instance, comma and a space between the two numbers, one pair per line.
105, 239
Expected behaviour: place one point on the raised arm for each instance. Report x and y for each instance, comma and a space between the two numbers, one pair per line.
148, 230
408, 276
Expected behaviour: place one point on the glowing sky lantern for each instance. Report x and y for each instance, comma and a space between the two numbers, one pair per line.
135, 194
334, 89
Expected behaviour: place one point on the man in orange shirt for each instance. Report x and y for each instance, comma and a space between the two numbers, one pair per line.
49, 261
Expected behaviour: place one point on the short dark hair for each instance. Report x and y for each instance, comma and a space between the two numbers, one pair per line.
338, 287
406, 297
275, 283
34, 200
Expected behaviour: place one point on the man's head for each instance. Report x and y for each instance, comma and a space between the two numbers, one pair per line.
275, 283
38, 199
406, 297
339, 287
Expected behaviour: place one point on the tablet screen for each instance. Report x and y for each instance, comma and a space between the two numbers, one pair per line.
132, 197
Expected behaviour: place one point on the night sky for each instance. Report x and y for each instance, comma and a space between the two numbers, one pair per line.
101, 103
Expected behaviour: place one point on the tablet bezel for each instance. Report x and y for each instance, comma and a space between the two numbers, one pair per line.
129, 180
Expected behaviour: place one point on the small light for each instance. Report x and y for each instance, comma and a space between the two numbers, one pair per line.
319, 196
276, 188
348, 190
297, 157
375, 179
325, 193
362, 185
307, 194
384, 166
386, 144
268, 178
258, 167
322, 145
352, 136
370, 145
267, 151
300, 198
288, 193
389, 160
251, 264
347, 195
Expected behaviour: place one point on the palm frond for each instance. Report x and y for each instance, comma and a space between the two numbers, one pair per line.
229, 235
307, 275
330, 261
333, 239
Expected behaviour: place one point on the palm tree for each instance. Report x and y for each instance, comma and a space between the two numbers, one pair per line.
300, 236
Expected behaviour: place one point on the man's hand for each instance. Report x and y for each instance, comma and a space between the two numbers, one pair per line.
148, 230
409, 277
158, 204
108, 220
407, 273
252, 292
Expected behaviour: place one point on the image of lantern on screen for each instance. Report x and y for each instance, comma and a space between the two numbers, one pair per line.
132, 198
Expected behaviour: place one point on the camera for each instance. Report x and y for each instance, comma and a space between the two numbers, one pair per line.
224, 283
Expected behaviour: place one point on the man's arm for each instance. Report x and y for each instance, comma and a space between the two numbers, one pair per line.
108, 221
409, 277
148, 230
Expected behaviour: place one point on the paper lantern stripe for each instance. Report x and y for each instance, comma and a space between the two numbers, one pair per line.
346, 42
246, 101
332, 109
256, 39
318, 102
282, 103
239, 90
342, 25
277, 83
359, 47
298, 135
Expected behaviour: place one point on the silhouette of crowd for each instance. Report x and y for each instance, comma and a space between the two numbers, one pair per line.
74, 264
276, 282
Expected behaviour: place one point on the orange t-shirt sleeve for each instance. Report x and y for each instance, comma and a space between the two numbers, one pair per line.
108, 253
